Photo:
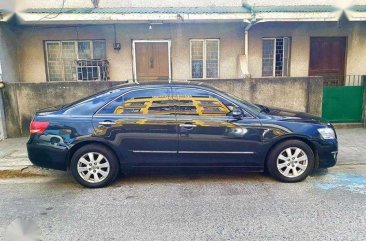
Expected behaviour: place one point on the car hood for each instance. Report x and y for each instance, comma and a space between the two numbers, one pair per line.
290, 115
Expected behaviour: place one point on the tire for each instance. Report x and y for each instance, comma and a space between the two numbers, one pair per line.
94, 166
290, 161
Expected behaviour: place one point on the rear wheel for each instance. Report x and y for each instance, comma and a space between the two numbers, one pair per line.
94, 166
290, 161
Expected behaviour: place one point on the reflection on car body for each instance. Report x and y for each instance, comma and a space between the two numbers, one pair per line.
164, 105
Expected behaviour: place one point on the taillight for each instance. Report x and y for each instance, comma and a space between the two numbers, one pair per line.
38, 127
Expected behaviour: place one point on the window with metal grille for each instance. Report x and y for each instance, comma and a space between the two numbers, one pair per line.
76, 60
275, 56
205, 58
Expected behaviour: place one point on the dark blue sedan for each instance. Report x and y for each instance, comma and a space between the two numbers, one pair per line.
177, 125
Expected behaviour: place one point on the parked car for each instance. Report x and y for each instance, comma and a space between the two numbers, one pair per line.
177, 125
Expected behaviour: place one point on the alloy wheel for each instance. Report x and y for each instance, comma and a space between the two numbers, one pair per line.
93, 167
292, 162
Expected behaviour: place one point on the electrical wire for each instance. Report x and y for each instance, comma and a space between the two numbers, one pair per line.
48, 16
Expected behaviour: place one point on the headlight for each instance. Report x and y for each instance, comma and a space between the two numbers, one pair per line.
327, 133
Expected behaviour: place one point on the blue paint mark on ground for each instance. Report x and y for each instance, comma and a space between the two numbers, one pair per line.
353, 183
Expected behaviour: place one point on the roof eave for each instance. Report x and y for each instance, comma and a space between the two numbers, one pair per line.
6, 16
299, 16
35, 19
41, 19
356, 15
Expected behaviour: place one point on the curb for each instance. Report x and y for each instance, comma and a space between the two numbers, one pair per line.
347, 125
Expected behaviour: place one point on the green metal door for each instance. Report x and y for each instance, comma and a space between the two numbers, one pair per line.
343, 103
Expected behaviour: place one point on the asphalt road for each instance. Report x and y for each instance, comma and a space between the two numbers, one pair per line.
205, 206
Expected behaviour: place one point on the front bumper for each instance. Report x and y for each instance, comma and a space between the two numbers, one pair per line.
327, 152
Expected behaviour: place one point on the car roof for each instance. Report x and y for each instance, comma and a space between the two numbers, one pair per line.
120, 89
163, 84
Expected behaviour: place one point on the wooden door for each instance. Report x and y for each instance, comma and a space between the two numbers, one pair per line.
152, 61
327, 58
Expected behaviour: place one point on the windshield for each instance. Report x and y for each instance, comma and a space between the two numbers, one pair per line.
249, 105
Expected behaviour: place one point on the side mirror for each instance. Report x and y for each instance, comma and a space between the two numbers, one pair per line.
237, 113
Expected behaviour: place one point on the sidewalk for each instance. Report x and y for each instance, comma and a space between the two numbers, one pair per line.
13, 154
352, 146
352, 150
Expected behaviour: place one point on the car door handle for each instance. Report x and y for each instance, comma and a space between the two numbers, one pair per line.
187, 126
107, 123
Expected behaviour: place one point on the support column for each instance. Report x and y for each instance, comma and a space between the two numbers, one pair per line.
2, 114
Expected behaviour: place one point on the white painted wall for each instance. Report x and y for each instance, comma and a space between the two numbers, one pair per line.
31, 46
8, 53
300, 46
231, 35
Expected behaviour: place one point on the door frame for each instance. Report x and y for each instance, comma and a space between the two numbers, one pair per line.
150, 41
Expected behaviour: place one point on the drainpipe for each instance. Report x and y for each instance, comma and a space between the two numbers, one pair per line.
246, 42
245, 62
244, 59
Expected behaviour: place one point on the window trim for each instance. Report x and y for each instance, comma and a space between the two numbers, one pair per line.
274, 56
76, 51
204, 57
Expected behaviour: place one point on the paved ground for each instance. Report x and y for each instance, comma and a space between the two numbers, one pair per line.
210, 206
217, 205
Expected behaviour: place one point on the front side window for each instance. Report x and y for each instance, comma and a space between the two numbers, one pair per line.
76, 60
192, 101
205, 58
142, 102
275, 57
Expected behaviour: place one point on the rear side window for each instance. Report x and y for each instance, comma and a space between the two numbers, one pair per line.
143, 102
110, 109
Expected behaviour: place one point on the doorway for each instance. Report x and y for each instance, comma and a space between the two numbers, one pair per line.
328, 59
151, 60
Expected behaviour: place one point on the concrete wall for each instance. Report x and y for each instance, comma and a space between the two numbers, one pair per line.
295, 93
32, 59
23, 99
300, 45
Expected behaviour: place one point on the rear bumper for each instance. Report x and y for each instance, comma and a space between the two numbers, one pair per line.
327, 151
47, 156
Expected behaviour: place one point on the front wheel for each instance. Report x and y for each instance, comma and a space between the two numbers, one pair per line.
290, 161
94, 166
